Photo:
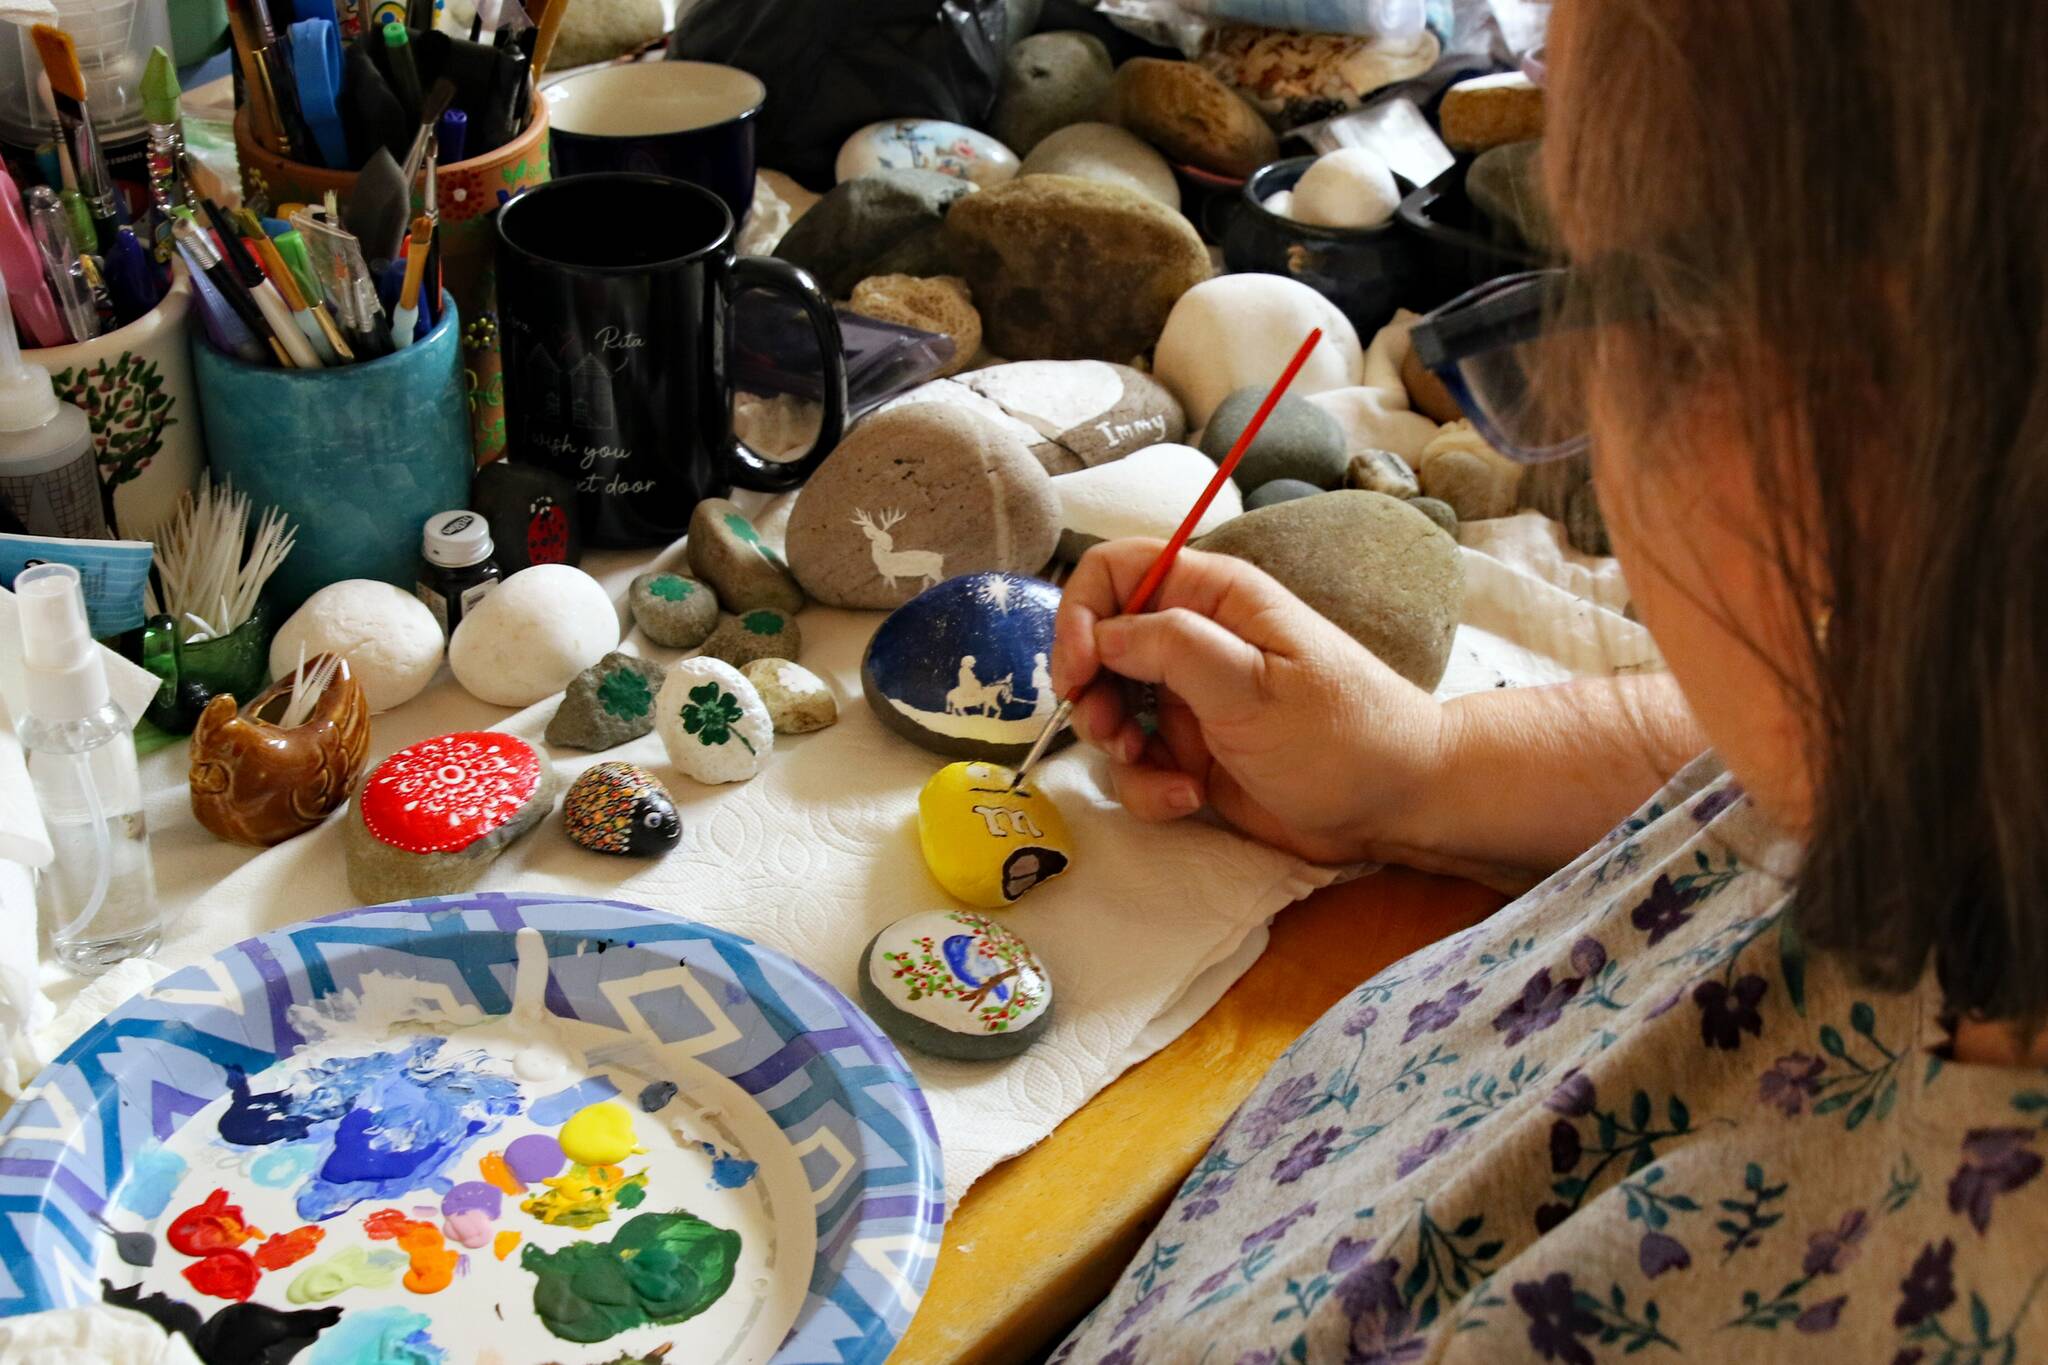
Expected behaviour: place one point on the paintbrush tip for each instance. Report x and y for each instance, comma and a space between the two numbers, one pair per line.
60, 61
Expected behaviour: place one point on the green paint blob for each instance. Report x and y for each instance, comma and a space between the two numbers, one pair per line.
625, 694
669, 588
355, 1268
763, 622
633, 1193
660, 1268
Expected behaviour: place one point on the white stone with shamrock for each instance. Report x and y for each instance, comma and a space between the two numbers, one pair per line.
713, 722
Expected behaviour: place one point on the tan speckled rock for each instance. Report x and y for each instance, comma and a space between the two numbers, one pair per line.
939, 303
1190, 115
1460, 468
797, 699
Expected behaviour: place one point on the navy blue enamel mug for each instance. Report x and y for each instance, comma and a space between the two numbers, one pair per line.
689, 121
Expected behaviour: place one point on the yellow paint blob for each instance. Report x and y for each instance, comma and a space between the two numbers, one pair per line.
583, 1196
503, 1243
599, 1135
497, 1173
355, 1268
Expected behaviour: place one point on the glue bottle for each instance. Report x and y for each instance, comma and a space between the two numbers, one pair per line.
49, 470
97, 896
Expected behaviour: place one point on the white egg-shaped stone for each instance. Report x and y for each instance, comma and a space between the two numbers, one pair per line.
1348, 188
532, 635
713, 722
923, 144
390, 639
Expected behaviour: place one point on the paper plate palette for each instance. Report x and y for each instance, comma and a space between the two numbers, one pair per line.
491, 1128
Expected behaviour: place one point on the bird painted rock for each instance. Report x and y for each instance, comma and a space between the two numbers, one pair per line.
952, 983
254, 782
619, 808
986, 844
432, 817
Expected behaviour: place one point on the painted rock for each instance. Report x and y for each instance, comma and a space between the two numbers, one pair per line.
391, 641
797, 699
1438, 511
984, 843
728, 553
1348, 188
1371, 564
1146, 494
1278, 491
942, 304
1297, 78
531, 636
1191, 116
1070, 269
1050, 80
620, 808
922, 144
962, 669
955, 984
1299, 440
914, 496
762, 633
1074, 414
672, 610
1109, 155
608, 704
1239, 331
886, 223
1381, 471
432, 817
532, 512
1460, 468
712, 722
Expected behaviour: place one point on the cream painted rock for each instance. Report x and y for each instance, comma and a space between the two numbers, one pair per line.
1146, 494
1375, 419
939, 304
920, 144
955, 984
1239, 330
797, 699
1073, 414
1460, 468
986, 844
391, 641
713, 722
532, 635
1348, 188
1108, 154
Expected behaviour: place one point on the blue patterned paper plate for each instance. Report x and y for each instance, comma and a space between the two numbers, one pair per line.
837, 1088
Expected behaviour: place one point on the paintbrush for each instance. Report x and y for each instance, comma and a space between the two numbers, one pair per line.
67, 92
1163, 563
266, 121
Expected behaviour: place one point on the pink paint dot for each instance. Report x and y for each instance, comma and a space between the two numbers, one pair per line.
535, 1157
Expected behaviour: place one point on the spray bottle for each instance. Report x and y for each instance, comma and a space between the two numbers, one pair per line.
49, 471
97, 896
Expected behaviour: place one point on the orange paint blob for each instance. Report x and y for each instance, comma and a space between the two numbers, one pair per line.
432, 1261
496, 1172
209, 1226
502, 1244
225, 1275
286, 1248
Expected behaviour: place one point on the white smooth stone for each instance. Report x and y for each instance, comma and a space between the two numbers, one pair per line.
1146, 493
390, 639
748, 738
1235, 331
532, 634
1108, 155
1347, 188
923, 144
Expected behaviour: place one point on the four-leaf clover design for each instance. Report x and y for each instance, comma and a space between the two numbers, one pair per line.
709, 715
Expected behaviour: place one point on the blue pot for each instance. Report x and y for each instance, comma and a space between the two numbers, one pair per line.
358, 456
1366, 272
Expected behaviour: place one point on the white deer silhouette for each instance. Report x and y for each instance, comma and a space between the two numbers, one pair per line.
892, 563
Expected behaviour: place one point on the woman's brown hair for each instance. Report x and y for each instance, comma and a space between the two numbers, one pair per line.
1838, 209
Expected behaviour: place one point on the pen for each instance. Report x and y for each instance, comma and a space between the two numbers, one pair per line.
223, 326
166, 131
200, 255
405, 74
60, 264
130, 282
67, 92
269, 303
453, 134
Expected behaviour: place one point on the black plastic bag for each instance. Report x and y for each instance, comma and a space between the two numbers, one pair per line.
834, 66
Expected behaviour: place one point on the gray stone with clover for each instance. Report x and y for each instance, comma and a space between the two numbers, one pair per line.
713, 722
607, 704
758, 633
728, 553
673, 610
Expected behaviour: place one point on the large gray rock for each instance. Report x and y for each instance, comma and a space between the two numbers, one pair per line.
728, 553
1073, 414
1376, 567
881, 223
608, 704
1050, 80
1299, 440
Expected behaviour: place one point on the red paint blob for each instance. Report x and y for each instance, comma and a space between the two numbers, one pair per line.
225, 1275
444, 794
385, 1224
210, 1226
288, 1247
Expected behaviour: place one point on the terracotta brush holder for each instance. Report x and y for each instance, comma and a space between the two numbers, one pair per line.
254, 782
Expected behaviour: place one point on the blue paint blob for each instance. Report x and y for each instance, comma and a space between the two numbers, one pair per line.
729, 1172
656, 1095
282, 1166
153, 1176
258, 1120
550, 1110
377, 1336
971, 965
358, 1154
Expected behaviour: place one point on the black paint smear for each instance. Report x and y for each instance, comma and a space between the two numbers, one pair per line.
239, 1334
657, 1094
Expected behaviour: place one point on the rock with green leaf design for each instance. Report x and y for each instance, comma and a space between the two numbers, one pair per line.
607, 704
759, 633
713, 722
729, 554
673, 610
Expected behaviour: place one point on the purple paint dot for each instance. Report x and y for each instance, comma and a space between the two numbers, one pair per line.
535, 1157
472, 1194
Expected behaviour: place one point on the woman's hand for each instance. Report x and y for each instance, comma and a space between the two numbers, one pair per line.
1284, 724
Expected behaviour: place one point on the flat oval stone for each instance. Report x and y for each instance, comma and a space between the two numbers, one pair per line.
984, 843
672, 610
430, 818
955, 984
797, 699
758, 633
963, 669
1072, 414
713, 722
1299, 440
923, 144
623, 809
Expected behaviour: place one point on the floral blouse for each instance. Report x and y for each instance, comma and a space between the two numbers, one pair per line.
1627, 1115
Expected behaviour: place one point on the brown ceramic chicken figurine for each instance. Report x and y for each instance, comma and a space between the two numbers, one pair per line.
254, 782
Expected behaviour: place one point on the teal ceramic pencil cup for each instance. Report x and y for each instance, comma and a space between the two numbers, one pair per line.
358, 456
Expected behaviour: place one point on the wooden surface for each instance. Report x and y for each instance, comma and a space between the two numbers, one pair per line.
1041, 1238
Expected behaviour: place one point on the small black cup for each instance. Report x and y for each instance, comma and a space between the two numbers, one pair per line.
615, 295
693, 121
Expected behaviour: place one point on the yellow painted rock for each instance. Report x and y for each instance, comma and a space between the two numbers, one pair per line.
986, 844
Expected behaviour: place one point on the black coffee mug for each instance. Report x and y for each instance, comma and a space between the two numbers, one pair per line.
615, 298
690, 120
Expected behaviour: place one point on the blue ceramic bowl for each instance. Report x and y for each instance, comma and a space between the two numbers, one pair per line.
689, 121
1366, 272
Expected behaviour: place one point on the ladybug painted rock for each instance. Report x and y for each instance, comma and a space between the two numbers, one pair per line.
619, 808
532, 512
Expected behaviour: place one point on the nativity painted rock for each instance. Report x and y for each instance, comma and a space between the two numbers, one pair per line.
761, 633
925, 144
797, 699
1147, 494
671, 610
914, 496
728, 553
620, 808
712, 722
530, 637
955, 984
984, 843
430, 819
1073, 414
607, 704
962, 669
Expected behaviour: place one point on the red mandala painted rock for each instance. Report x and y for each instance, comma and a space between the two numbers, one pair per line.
445, 793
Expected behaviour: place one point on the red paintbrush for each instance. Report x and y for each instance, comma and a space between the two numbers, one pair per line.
1156, 575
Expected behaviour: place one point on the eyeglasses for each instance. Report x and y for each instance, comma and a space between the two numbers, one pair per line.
1512, 364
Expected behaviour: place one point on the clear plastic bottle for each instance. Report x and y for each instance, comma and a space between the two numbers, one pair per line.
97, 896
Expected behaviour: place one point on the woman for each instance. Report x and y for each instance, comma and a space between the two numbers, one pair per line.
1760, 1072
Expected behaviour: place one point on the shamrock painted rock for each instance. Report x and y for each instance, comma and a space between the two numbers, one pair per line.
712, 722
986, 844
607, 704
758, 633
963, 669
672, 610
432, 817
728, 553
955, 984
619, 808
